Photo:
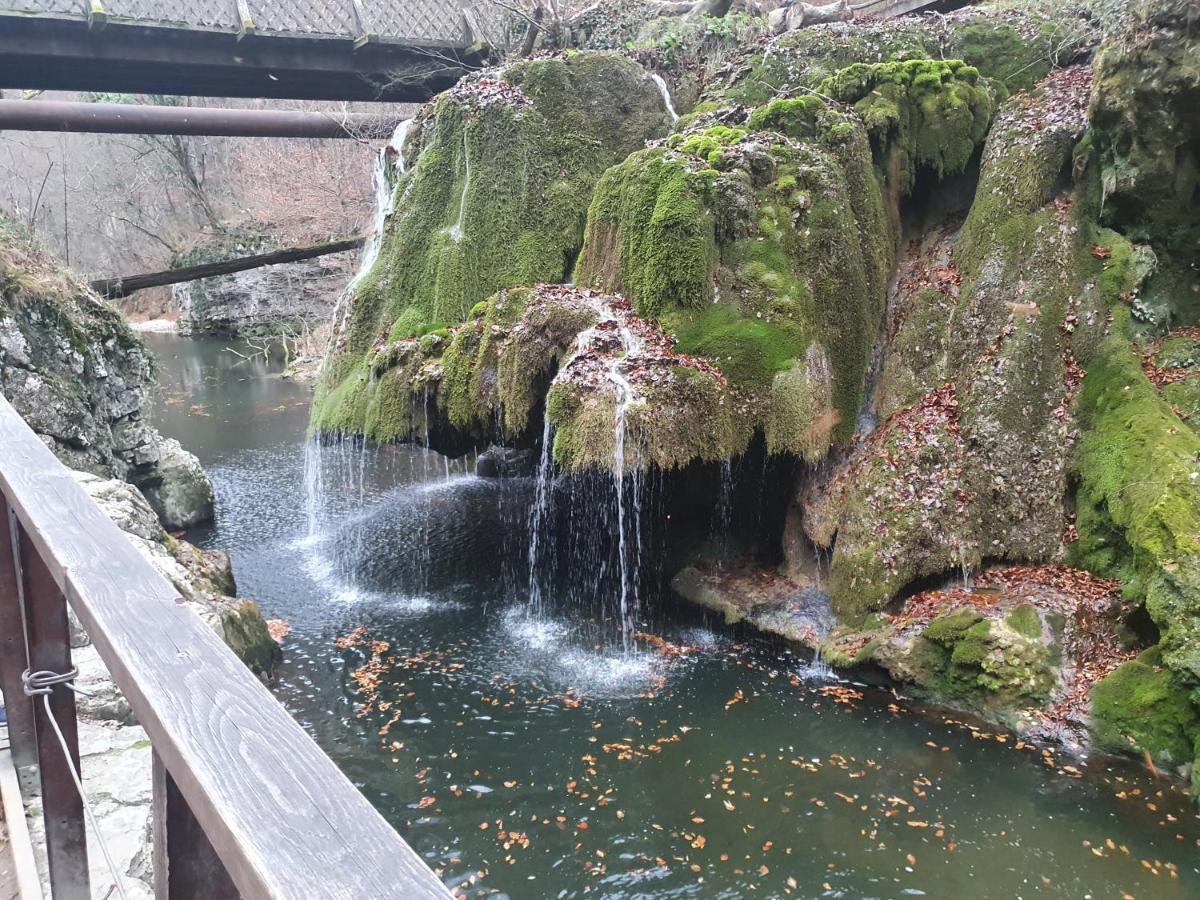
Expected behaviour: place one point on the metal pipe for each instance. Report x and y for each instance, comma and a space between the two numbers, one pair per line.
132, 118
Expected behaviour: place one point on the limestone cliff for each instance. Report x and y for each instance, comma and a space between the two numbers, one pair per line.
80, 378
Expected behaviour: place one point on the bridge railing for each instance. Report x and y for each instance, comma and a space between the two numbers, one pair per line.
439, 22
245, 803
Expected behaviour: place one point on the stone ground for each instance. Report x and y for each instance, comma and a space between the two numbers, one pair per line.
115, 760
8, 874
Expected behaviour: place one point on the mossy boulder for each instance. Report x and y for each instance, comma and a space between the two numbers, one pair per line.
976, 469
921, 113
496, 193
577, 357
764, 252
996, 663
1138, 497
1142, 707
1013, 50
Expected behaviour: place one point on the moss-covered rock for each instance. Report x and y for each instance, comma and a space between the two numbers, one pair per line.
1143, 707
766, 253
976, 469
501, 174
1014, 50
1138, 500
81, 379
921, 113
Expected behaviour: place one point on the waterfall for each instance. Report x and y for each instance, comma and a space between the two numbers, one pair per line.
399, 136
456, 232
666, 95
627, 561
539, 514
590, 498
722, 522
316, 497
385, 205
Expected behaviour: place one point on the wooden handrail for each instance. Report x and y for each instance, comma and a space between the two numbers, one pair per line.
281, 818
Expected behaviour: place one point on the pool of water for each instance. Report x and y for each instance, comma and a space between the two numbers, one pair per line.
529, 758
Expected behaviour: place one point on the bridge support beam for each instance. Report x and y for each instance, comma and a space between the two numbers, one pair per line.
132, 118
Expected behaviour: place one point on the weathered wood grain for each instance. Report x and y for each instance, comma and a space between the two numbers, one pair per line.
284, 820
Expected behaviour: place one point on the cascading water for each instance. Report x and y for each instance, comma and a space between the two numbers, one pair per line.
628, 562
456, 230
666, 95
315, 456
539, 515
722, 521
585, 541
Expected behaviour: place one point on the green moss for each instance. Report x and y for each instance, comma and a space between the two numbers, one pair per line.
496, 196
1184, 399
1142, 707
1013, 51
787, 245
650, 234
1024, 620
1138, 499
964, 657
947, 630
921, 112
749, 351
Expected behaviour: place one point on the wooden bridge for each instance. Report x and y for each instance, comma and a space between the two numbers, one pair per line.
395, 50
245, 804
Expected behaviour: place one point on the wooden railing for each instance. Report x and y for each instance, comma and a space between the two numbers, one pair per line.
245, 804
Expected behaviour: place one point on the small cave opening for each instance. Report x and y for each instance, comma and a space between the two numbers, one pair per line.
936, 199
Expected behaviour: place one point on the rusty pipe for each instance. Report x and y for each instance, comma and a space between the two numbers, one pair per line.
135, 118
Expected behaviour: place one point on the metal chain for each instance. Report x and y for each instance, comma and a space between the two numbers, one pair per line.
41, 684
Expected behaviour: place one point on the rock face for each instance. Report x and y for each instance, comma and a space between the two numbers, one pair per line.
79, 377
944, 266
291, 298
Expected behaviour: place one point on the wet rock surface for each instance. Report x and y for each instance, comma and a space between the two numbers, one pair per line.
80, 378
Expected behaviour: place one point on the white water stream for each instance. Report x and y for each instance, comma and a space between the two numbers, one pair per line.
456, 231
666, 95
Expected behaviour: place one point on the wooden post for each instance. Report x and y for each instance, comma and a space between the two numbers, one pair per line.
50, 650
97, 17
13, 662
185, 865
362, 24
245, 20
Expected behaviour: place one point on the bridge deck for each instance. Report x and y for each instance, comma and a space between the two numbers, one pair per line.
304, 49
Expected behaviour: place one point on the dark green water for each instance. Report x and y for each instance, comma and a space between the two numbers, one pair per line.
522, 760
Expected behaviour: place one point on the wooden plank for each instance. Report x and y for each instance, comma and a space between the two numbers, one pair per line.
185, 865
29, 885
281, 816
245, 20
126, 285
50, 651
12, 652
